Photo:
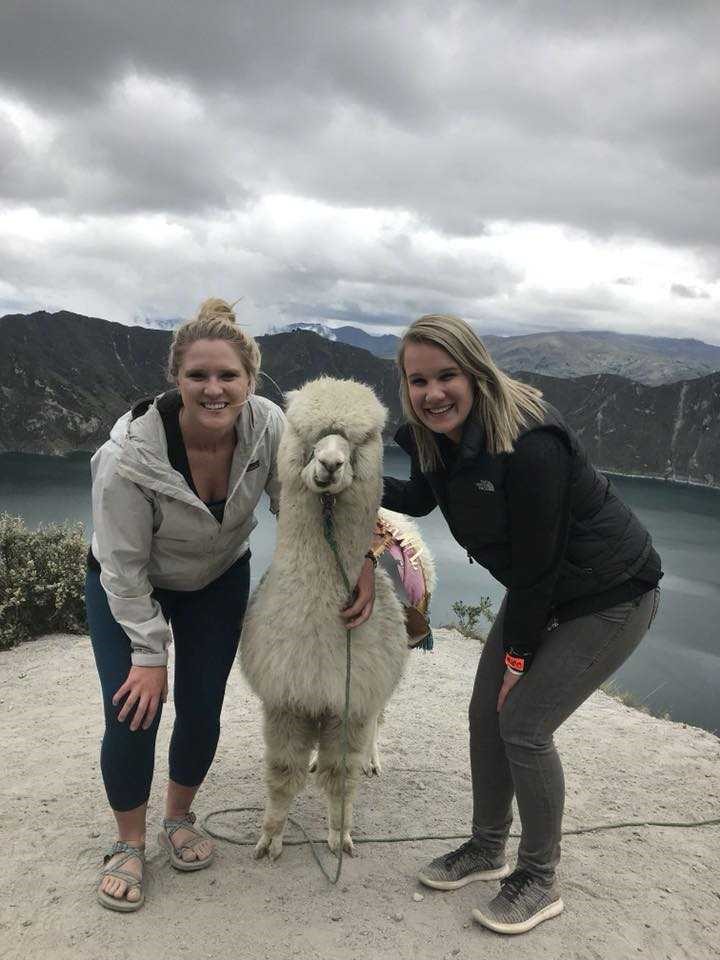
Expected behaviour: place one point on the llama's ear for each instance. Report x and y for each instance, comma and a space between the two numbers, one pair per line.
289, 396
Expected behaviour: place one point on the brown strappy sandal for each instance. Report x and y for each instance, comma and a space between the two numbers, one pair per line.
164, 839
122, 904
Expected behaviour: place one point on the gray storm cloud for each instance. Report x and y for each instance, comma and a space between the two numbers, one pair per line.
598, 117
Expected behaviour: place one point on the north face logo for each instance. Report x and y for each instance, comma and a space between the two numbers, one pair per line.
485, 486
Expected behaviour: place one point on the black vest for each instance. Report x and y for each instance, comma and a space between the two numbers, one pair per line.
606, 545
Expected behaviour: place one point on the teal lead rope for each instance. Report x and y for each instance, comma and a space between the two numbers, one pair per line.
426, 643
328, 502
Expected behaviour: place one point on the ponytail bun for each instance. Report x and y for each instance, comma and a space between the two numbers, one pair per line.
216, 309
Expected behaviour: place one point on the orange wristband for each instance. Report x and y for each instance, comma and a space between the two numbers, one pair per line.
515, 663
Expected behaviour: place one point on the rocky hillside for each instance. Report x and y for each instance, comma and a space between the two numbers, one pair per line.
293, 358
670, 431
64, 379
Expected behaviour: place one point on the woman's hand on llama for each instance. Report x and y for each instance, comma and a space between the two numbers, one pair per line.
144, 690
364, 598
509, 681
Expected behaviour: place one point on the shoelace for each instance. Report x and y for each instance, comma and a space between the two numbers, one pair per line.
514, 885
455, 855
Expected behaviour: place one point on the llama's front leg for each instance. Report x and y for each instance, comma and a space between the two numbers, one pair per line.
288, 740
372, 766
329, 772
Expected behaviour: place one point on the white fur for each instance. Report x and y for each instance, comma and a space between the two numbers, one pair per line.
293, 648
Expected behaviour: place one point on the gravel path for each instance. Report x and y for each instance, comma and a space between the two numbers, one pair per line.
634, 892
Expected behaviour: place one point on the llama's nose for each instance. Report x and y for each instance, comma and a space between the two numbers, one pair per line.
331, 464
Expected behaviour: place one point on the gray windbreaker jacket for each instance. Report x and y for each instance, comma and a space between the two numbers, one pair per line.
151, 530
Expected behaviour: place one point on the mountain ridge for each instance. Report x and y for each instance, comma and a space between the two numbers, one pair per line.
65, 378
641, 357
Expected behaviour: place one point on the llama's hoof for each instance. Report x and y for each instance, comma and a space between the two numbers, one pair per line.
268, 846
372, 766
334, 842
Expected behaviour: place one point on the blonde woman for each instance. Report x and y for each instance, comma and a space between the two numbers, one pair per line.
174, 493
581, 574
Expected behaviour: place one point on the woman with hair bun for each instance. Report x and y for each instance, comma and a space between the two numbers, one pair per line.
519, 494
174, 493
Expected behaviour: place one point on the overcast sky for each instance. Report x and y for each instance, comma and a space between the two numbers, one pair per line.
527, 165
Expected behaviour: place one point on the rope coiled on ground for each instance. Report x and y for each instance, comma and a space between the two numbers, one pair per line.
594, 828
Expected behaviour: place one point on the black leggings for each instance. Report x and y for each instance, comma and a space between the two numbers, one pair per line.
206, 628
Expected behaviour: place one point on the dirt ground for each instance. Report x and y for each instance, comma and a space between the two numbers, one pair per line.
634, 892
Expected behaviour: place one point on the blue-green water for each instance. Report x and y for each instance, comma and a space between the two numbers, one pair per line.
676, 668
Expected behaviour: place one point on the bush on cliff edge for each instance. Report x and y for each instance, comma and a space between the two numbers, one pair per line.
42, 576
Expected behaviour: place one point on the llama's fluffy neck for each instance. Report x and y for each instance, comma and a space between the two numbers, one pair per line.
301, 537
354, 514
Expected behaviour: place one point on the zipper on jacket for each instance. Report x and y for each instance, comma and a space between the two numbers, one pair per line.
553, 624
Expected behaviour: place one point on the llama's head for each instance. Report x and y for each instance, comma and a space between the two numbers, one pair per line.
329, 469
334, 433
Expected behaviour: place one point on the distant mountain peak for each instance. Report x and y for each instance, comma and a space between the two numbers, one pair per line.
322, 329
157, 323
381, 345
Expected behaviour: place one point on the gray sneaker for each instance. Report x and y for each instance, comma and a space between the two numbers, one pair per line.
462, 866
523, 903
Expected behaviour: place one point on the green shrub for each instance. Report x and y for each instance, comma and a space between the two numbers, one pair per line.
468, 616
42, 575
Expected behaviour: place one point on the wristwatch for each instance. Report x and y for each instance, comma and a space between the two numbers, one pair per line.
371, 556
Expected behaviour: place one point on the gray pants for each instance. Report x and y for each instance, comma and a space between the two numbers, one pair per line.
513, 753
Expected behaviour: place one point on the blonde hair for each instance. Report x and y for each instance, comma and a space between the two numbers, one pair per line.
503, 405
215, 320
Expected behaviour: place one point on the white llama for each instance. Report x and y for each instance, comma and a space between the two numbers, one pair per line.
293, 645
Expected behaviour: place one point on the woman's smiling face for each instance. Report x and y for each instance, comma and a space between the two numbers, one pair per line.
213, 384
441, 393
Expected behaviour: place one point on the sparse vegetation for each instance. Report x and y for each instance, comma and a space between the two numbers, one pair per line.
632, 700
42, 576
468, 617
